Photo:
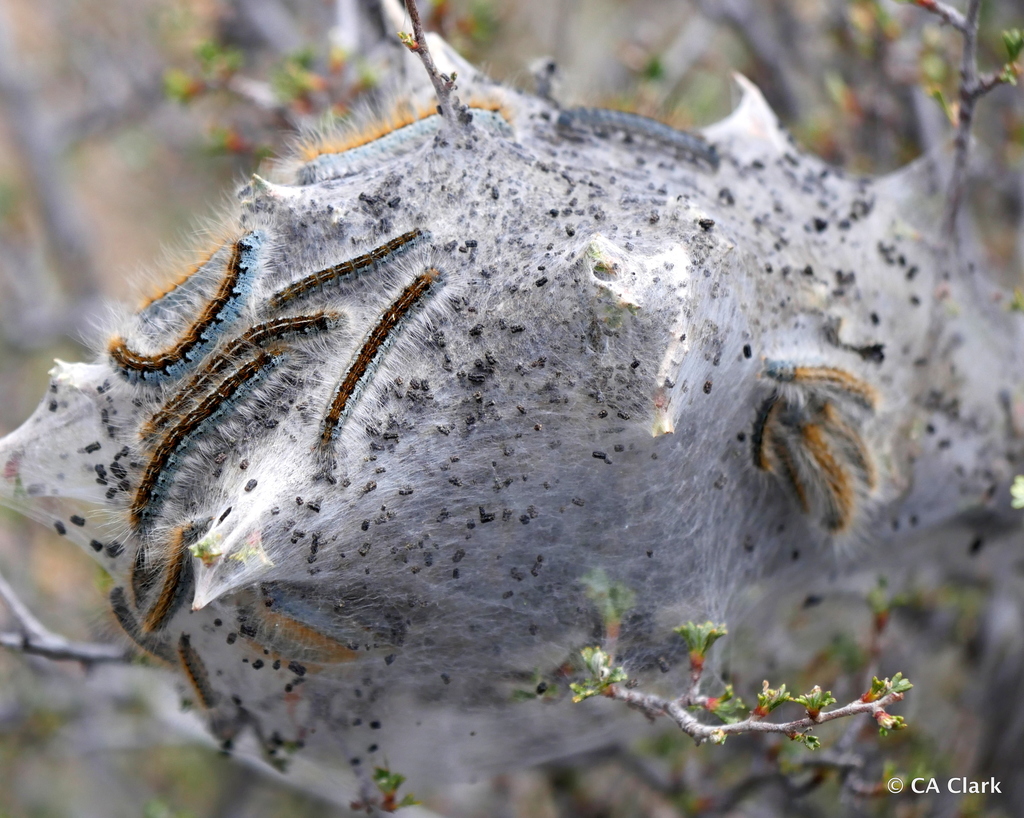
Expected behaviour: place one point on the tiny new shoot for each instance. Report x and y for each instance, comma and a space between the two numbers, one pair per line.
388, 783
601, 676
602, 679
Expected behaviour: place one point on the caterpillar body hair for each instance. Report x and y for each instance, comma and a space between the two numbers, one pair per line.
346, 269
195, 669
202, 334
404, 128
285, 635
692, 144
374, 346
177, 576
817, 450
166, 456
130, 625
826, 380
253, 339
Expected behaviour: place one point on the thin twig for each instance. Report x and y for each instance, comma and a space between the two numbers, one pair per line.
655, 706
443, 85
34, 638
968, 97
19, 610
946, 13
50, 646
987, 82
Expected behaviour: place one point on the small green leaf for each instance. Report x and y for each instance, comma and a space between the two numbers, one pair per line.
218, 61
11, 199
878, 597
809, 741
940, 98
934, 67
884, 687
700, 638
887, 723
655, 69
1013, 41
728, 707
180, 86
1017, 492
368, 74
293, 78
899, 684
836, 87
815, 701
481, 23
208, 550
602, 675
304, 58
387, 781
768, 699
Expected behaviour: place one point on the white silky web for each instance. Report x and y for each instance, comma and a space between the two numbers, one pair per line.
566, 420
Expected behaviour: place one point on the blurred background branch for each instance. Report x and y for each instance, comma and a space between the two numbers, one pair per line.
34, 639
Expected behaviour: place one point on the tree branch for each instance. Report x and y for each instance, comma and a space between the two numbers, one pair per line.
655, 706
34, 638
946, 13
603, 679
968, 98
443, 85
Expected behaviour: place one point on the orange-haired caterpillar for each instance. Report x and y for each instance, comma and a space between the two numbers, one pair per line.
173, 295
254, 338
283, 634
201, 335
165, 459
329, 159
195, 669
332, 275
811, 442
371, 352
177, 576
130, 625
824, 380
